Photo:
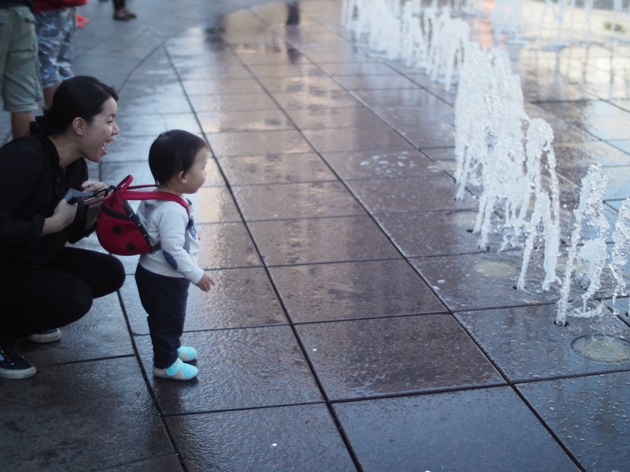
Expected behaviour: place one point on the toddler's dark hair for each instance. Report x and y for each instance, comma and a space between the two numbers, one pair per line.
173, 152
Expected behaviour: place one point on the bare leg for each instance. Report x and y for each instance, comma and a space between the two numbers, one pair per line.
49, 92
20, 122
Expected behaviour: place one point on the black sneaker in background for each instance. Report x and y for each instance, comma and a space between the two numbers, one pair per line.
13, 365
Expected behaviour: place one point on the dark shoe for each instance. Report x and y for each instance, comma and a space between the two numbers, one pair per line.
46, 336
130, 14
13, 365
123, 14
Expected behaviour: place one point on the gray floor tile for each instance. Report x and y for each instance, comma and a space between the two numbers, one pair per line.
73, 417
299, 200
429, 135
169, 463
468, 430
233, 102
101, 333
129, 148
285, 438
376, 138
312, 83
339, 117
321, 240
226, 245
353, 290
254, 143
113, 172
214, 205
430, 192
276, 169
433, 233
207, 86
525, 344
353, 68
417, 97
588, 414
409, 115
241, 298
251, 120
375, 82
398, 355
617, 187
380, 165
154, 124
238, 369
486, 280
315, 100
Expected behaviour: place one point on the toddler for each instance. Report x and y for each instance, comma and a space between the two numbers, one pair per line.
178, 163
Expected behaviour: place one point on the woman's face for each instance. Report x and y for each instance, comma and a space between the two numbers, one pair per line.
100, 132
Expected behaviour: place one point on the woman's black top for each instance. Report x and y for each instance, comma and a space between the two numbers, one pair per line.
31, 186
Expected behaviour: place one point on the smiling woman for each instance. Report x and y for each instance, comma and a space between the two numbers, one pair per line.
44, 283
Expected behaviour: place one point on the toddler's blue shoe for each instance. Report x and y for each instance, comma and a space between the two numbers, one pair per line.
178, 371
187, 353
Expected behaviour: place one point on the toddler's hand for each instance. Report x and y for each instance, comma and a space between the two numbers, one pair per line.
205, 283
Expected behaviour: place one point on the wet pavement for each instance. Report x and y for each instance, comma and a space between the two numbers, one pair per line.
355, 325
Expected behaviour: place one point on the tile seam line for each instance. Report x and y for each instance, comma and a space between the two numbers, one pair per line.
147, 383
320, 154
247, 408
372, 217
340, 179
320, 387
513, 386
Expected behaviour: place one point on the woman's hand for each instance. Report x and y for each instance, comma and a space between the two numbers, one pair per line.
91, 187
62, 217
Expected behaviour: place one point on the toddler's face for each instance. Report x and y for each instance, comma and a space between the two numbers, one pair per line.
196, 176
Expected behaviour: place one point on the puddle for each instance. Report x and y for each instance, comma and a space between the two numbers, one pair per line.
602, 348
464, 219
448, 166
496, 269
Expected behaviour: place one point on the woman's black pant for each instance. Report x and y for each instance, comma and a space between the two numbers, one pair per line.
34, 298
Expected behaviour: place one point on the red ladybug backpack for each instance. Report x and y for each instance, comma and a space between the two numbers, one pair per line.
118, 227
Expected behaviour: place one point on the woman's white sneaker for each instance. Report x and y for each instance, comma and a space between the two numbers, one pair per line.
46, 336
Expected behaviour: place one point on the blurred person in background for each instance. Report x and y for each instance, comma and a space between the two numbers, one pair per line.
19, 71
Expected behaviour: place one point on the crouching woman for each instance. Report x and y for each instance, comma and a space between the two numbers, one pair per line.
44, 283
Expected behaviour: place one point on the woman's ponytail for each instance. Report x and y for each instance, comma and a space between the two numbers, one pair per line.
41, 125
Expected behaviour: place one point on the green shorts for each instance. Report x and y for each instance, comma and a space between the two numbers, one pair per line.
19, 70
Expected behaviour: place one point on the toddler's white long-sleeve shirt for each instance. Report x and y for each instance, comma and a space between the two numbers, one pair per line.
168, 223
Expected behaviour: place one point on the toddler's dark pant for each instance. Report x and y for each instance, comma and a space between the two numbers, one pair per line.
34, 298
164, 299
